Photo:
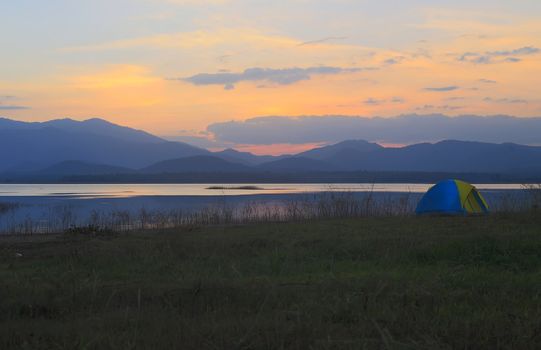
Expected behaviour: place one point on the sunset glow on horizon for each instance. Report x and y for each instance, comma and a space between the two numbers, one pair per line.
177, 68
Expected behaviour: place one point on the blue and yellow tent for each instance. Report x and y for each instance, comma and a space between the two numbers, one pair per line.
452, 197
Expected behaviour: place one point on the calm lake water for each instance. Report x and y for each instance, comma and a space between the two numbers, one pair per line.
56, 207
137, 190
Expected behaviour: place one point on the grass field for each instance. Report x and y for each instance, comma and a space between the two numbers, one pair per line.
374, 283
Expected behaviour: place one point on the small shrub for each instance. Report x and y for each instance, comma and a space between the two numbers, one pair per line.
6, 207
534, 192
90, 230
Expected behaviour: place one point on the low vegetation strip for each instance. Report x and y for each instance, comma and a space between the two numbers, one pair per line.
245, 188
375, 283
7, 207
315, 206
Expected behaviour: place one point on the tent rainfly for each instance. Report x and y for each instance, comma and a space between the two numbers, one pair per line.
452, 197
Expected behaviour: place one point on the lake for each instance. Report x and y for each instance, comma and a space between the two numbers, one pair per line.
42, 208
138, 190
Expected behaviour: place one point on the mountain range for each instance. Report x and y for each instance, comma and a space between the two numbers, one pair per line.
64, 148
40, 145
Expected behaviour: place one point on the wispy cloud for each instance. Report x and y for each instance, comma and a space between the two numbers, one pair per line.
527, 50
455, 98
488, 81
12, 107
191, 40
323, 40
197, 2
378, 102
438, 107
505, 100
285, 76
442, 88
394, 60
373, 102
512, 59
498, 56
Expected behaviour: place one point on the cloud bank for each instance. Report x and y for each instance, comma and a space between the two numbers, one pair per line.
404, 129
286, 76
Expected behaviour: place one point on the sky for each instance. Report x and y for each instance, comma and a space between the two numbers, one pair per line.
182, 69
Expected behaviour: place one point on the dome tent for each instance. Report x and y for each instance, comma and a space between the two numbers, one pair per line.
452, 197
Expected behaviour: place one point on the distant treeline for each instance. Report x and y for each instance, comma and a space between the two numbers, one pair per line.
281, 177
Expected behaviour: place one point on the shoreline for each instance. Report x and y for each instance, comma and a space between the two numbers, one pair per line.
74, 210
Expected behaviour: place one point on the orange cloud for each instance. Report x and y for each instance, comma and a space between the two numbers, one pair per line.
139, 94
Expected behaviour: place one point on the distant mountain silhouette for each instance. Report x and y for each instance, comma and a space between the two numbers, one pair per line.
196, 164
445, 156
245, 157
92, 141
95, 147
296, 164
94, 126
332, 151
70, 168
25, 167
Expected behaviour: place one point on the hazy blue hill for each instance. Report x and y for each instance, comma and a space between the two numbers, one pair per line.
445, 156
26, 147
196, 164
350, 159
297, 164
6, 123
450, 156
70, 168
104, 128
25, 168
94, 126
329, 152
23, 144
245, 157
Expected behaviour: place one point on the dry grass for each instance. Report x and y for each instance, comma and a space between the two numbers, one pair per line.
312, 207
6, 207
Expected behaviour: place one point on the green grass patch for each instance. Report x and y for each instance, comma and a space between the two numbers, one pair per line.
374, 283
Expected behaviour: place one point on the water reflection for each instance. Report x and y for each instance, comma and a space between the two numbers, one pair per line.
136, 190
